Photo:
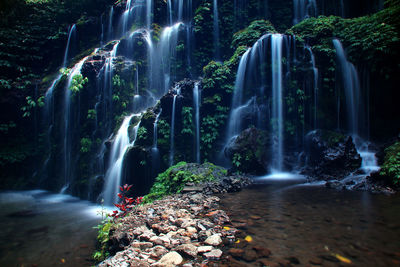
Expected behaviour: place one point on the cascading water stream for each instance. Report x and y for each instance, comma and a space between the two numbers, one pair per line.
196, 103
110, 24
114, 173
351, 86
68, 125
277, 98
72, 33
304, 9
155, 153
172, 133
315, 86
216, 31
234, 121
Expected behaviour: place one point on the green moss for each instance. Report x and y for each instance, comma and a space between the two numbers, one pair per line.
391, 164
252, 33
173, 180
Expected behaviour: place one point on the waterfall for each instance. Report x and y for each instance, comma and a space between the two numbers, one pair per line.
351, 86
119, 147
277, 105
315, 85
155, 154
233, 127
304, 9
196, 104
149, 12
69, 126
172, 133
216, 31
72, 33
167, 50
110, 25
354, 109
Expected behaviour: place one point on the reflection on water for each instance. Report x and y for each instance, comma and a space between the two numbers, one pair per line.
43, 229
313, 223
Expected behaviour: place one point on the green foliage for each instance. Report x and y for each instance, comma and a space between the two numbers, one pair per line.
142, 134
173, 180
77, 83
367, 38
86, 145
164, 129
31, 104
391, 164
236, 160
5, 127
210, 127
187, 116
103, 236
92, 113
252, 33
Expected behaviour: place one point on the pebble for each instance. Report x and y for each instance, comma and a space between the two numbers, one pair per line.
214, 240
172, 258
214, 254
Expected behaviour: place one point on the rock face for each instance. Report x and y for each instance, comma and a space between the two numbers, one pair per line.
249, 152
330, 155
181, 228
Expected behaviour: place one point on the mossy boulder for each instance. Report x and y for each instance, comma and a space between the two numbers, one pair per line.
249, 152
174, 179
330, 155
247, 37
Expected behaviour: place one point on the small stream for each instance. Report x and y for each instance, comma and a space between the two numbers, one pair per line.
43, 229
305, 224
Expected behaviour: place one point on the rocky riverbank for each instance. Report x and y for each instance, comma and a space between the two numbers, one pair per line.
186, 229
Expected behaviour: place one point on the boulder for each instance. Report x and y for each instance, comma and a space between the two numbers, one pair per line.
330, 155
250, 151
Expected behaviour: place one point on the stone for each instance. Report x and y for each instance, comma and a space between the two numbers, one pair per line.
147, 235
203, 249
236, 252
214, 240
249, 255
214, 254
293, 260
191, 230
188, 249
171, 259
265, 262
262, 252
316, 261
157, 252
141, 245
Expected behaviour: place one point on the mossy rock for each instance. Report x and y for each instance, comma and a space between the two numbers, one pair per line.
174, 179
391, 165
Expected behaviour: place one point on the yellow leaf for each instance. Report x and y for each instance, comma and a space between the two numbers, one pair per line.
343, 259
62, 260
227, 228
248, 238
237, 241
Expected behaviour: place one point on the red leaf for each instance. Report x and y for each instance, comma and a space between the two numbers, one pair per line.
125, 186
120, 188
119, 195
129, 188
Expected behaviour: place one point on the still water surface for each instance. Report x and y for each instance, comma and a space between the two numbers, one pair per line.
312, 223
38, 228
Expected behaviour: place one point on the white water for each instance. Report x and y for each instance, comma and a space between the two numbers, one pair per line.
196, 103
234, 122
110, 25
315, 71
304, 9
72, 32
351, 87
68, 173
172, 133
119, 147
277, 101
216, 31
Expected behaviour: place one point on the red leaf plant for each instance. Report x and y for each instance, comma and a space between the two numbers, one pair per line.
126, 203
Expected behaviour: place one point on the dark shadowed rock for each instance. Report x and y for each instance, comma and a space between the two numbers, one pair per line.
330, 155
